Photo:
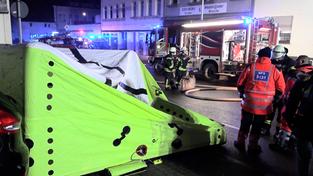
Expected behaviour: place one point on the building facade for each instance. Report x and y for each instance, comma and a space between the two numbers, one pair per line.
190, 10
294, 20
126, 23
33, 30
5, 21
64, 16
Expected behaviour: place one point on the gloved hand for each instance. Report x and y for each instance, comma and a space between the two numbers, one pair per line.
241, 95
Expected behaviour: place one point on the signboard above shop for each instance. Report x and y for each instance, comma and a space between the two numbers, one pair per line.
208, 9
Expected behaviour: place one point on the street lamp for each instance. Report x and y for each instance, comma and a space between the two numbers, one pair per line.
84, 13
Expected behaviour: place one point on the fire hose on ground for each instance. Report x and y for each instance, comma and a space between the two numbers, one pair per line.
201, 87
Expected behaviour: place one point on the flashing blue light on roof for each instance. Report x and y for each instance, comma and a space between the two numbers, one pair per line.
247, 20
91, 36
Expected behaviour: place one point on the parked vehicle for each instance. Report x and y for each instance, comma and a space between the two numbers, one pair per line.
217, 50
13, 151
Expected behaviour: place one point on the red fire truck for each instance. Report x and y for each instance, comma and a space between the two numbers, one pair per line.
217, 49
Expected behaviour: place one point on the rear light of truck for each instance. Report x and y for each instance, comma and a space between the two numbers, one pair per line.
8, 122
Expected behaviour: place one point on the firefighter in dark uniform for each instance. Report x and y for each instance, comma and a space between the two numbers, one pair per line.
284, 138
299, 117
287, 66
182, 63
170, 68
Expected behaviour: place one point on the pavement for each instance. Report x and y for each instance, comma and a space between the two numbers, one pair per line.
221, 160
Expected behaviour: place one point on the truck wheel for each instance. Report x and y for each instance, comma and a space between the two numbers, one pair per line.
209, 71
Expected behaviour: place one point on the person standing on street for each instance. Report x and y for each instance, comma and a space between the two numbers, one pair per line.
286, 65
259, 85
170, 68
181, 69
299, 117
304, 65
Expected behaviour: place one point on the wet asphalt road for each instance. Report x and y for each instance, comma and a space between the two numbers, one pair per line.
222, 160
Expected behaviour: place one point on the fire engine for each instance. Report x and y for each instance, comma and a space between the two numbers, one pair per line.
216, 47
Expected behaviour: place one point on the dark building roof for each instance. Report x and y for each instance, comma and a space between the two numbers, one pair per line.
42, 10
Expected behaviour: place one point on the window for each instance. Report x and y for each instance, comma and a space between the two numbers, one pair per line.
134, 9
150, 8
142, 8
284, 37
111, 12
123, 10
159, 6
117, 11
105, 12
173, 2
285, 25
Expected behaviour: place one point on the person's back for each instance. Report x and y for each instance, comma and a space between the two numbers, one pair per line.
258, 83
262, 83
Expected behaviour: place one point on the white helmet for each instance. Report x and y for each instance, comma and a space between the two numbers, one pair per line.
278, 52
173, 50
183, 50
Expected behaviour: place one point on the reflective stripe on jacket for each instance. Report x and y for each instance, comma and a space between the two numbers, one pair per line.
182, 63
260, 81
169, 65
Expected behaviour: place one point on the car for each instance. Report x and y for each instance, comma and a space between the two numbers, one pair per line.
13, 150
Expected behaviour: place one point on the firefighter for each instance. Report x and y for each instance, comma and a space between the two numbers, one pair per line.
283, 136
286, 65
181, 70
169, 69
299, 117
259, 85
282, 61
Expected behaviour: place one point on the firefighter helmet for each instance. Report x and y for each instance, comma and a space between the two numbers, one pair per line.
278, 52
183, 50
173, 50
303, 60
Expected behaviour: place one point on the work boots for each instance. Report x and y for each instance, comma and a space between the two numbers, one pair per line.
254, 148
240, 143
240, 147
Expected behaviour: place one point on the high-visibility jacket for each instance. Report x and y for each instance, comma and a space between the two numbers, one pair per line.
169, 64
182, 63
260, 81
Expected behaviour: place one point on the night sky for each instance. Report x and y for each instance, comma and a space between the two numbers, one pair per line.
42, 10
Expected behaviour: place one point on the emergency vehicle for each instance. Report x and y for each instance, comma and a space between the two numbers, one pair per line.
215, 47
